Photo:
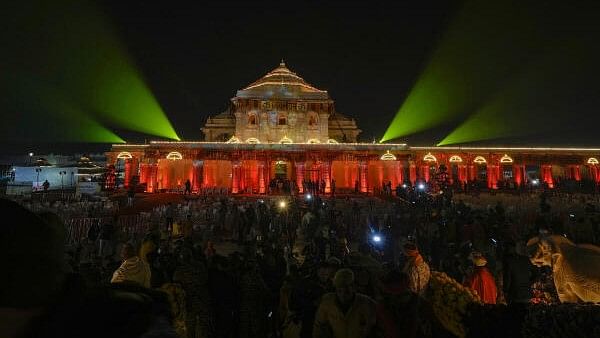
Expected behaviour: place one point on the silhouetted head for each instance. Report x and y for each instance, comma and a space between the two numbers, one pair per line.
31, 256
344, 286
128, 251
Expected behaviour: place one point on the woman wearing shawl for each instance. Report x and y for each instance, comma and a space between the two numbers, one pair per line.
481, 279
416, 268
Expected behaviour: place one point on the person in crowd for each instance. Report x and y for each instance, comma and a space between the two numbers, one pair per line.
397, 310
39, 298
130, 195
416, 268
106, 237
224, 297
188, 227
254, 299
517, 274
32, 264
133, 269
345, 313
193, 277
325, 273
188, 187
481, 279
170, 216
210, 250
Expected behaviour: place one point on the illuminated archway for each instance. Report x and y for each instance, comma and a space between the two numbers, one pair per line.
592, 160
480, 160
253, 140
429, 158
174, 155
286, 140
388, 156
124, 155
506, 159
313, 141
455, 159
332, 141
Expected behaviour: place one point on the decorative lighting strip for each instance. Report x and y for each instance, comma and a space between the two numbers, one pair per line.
286, 140
174, 155
234, 139
124, 155
131, 145
480, 160
284, 83
455, 159
506, 159
253, 140
388, 156
379, 145
429, 158
507, 148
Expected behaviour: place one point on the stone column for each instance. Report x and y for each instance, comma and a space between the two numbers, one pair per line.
425, 172
547, 175
364, 187
128, 172
326, 168
412, 173
472, 173
235, 184
399, 173
151, 183
300, 176
492, 176
198, 168
262, 187
462, 173
518, 175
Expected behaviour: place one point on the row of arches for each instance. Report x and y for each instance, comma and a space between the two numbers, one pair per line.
505, 159
284, 140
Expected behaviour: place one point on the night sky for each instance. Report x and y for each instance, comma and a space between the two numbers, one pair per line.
367, 55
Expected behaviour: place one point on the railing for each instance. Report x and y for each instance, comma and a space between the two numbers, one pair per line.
130, 226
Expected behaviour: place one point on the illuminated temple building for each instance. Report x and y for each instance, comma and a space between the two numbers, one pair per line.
281, 127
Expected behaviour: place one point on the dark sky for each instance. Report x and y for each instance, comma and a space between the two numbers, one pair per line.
368, 55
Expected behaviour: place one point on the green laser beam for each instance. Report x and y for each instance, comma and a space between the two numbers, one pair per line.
46, 115
474, 57
538, 100
72, 45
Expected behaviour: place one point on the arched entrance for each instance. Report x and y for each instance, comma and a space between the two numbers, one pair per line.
281, 169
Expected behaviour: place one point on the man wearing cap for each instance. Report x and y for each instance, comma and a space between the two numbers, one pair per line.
481, 279
345, 313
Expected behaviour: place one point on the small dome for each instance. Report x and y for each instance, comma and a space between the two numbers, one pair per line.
282, 83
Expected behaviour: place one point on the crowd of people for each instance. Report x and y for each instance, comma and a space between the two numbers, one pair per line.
292, 265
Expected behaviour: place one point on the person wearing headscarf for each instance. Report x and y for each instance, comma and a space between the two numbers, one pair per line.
133, 269
416, 268
481, 279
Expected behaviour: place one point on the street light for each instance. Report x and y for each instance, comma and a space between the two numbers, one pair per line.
37, 182
62, 186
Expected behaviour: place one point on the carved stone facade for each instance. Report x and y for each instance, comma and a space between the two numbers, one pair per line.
281, 107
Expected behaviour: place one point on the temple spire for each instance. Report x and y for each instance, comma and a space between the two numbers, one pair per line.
282, 63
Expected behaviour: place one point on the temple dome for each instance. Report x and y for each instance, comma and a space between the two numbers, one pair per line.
281, 83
